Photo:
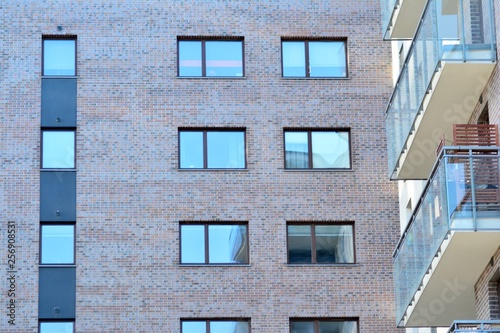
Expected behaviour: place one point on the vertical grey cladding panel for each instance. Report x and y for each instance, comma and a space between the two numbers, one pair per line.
59, 102
57, 293
58, 196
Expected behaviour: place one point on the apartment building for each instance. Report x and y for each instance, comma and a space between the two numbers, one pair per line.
442, 127
195, 166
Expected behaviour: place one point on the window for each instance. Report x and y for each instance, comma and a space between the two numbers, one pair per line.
320, 243
59, 56
323, 326
210, 57
56, 327
215, 326
314, 58
58, 149
317, 149
204, 243
57, 244
212, 149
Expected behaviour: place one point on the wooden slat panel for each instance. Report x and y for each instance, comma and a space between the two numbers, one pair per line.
475, 135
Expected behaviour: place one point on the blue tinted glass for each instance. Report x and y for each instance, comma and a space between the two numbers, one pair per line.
190, 58
194, 327
338, 327
224, 58
227, 244
192, 244
58, 244
301, 327
330, 150
229, 327
327, 59
296, 150
294, 59
59, 327
191, 150
59, 57
226, 150
299, 244
58, 150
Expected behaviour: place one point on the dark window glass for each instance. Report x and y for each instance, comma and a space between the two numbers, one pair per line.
323, 326
212, 149
57, 244
58, 149
320, 243
57, 327
214, 243
211, 58
322, 149
215, 326
314, 58
59, 57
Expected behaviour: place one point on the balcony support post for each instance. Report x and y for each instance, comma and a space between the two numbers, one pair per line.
473, 189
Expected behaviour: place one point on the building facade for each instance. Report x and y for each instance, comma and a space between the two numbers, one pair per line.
442, 120
195, 166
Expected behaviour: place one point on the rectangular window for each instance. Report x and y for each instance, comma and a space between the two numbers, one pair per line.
59, 56
58, 149
207, 243
314, 58
215, 326
323, 326
212, 149
210, 57
323, 243
57, 327
57, 244
317, 149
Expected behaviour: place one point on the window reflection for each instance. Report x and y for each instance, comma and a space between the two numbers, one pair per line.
56, 327
58, 149
59, 57
57, 244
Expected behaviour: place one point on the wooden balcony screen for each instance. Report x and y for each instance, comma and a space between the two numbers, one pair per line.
475, 135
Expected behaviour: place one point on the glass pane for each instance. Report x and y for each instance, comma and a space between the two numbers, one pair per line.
190, 58
299, 244
224, 58
338, 327
334, 244
191, 150
227, 244
59, 327
58, 244
301, 327
330, 150
58, 150
59, 57
294, 59
226, 150
327, 59
193, 244
194, 327
296, 150
229, 327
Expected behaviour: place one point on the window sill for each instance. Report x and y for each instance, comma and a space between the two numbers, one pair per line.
59, 76
314, 78
59, 170
316, 170
212, 77
195, 169
57, 266
215, 265
323, 265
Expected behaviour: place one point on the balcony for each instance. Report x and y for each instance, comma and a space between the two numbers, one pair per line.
454, 231
475, 326
400, 18
449, 64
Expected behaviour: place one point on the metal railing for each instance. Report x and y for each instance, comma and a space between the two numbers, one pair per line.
475, 326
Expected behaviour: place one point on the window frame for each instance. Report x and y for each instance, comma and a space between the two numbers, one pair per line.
307, 65
207, 322
55, 38
203, 40
61, 321
313, 225
42, 147
206, 225
317, 321
204, 131
309, 132
42, 224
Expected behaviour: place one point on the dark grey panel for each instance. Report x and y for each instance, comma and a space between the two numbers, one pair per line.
57, 292
57, 196
59, 102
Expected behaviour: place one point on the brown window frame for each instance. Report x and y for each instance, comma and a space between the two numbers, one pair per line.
59, 37
309, 132
73, 224
313, 226
203, 40
307, 66
204, 131
207, 245
316, 321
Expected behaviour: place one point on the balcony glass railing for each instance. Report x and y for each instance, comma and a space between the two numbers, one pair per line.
475, 326
451, 31
462, 194
388, 7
